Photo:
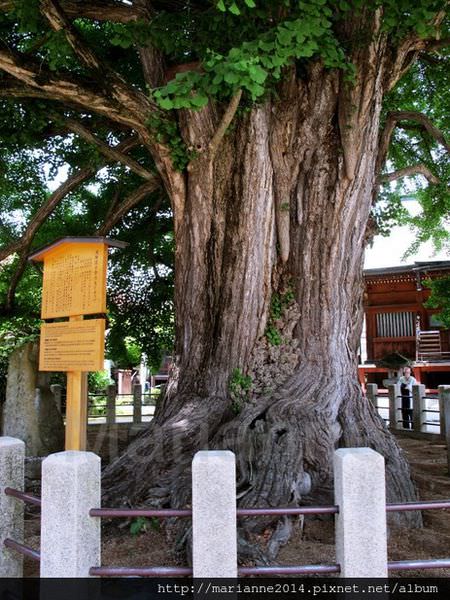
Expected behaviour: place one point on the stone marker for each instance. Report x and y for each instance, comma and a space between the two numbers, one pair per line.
361, 540
214, 530
70, 538
30, 412
12, 455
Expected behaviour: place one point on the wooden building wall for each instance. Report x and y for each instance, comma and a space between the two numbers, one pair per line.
392, 302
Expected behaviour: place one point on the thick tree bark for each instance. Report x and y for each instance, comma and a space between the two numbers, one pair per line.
269, 256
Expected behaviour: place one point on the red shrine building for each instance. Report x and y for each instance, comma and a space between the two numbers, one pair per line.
397, 320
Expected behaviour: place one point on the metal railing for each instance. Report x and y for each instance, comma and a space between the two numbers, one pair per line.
13, 544
162, 571
442, 563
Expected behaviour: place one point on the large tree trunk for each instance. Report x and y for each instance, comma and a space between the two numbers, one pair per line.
269, 254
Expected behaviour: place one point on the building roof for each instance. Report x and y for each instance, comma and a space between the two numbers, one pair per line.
417, 267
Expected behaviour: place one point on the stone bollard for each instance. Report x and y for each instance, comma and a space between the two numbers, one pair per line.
418, 399
137, 403
372, 394
111, 393
361, 539
444, 409
70, 538
214, 528
394, 405
12, 474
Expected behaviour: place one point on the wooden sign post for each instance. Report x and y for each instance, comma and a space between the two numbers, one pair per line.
74, 285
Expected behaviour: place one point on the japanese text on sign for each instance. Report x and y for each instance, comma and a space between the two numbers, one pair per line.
72, 346
75, 282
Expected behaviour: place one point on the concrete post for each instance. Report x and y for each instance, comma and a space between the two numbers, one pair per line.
57, 394
418, 398
394, 405
214, 514
12, 474
137, 403
361, 539
372, 393
70, 538
111, 404
444, 408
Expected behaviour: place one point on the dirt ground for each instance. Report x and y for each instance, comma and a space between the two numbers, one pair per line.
314, 540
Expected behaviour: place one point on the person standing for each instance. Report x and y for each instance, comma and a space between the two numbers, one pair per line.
406, 382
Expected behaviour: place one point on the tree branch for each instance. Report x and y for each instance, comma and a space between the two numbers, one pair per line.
109, 152
55, 198
15, 279
419, 169
123, 104
130, 202
59, 22
11, 88
408, 51
99, 10
121, 91
392, 122
436, 45
224, 123
151, 58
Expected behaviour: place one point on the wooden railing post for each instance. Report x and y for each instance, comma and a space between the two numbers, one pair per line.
372, 393
111, 393
418, 397
137, 403
57, 394
394, 404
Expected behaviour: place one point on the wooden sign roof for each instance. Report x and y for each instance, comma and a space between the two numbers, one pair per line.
40, 254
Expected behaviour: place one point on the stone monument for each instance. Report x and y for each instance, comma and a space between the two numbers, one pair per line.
30, 412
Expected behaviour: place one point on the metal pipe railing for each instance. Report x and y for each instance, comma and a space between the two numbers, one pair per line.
28, 498
429, 505
22, 549
290, 570
301, 510
140, 571
254, 512
408, 565
139, 512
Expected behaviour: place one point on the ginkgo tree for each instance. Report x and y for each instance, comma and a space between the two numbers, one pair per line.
269, 125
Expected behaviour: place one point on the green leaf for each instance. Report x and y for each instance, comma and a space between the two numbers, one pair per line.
199, 101
181, 102
258, 74
284, 37
231, 77
165, 103
221, 6
234, 9
250, 3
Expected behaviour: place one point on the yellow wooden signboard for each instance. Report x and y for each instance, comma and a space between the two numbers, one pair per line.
74, 280
74, 285
72, 346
